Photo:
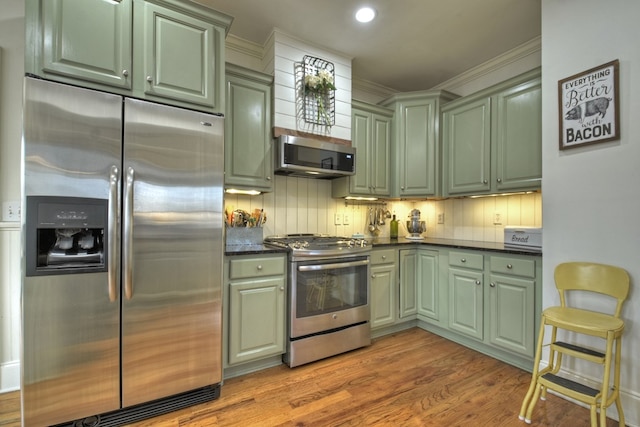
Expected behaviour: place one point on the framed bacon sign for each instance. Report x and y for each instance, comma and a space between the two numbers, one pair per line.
589, 107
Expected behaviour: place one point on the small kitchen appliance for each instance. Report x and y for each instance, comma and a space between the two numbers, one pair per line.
415, 226
328, 295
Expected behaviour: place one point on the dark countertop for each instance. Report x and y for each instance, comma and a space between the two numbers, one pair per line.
252, 250
401, 241
454, 243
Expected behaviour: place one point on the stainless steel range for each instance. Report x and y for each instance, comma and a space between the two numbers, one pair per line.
328, 295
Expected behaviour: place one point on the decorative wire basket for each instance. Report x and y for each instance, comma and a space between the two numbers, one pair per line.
319, 108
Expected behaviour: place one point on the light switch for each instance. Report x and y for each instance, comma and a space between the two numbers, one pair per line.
337, 219
346, 219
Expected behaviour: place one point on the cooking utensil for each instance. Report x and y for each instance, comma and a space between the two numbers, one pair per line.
372, 227
380, 216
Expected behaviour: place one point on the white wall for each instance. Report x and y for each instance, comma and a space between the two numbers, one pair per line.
11, 72
591, 195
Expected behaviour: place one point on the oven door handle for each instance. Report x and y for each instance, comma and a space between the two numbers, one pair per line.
333, 266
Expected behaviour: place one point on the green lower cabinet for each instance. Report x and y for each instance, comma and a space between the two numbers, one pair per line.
256, 319
383, 287
430, 305
383, 290
408, 283
466, 302
255, 307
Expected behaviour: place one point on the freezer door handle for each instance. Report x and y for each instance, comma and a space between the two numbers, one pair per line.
127, 234
114, 184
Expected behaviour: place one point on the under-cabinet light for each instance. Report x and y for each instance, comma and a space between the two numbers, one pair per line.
245, 192
361, 198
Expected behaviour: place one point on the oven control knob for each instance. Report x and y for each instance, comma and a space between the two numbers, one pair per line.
335, 316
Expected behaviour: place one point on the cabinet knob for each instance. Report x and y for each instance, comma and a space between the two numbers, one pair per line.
478, 282
402, 188
509, 266
268, 178
149, 79
499, 180
125, 73
463, 260
281, 288
384, 257
493, 285
484, 181
259, 267
373, 276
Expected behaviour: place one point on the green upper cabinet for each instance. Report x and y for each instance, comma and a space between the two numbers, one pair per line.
518, 139
80, 40
248, 147
492, 140
466, 135
415, 149
371, 136
178, 55
163, 50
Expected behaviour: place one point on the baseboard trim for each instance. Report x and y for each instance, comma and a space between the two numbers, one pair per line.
9, 376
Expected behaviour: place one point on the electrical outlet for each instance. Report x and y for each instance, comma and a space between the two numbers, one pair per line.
441, 218
346, 219
11, 211
337, 218
497, 218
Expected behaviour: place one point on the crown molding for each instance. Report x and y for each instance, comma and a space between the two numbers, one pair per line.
244, 47
532, 47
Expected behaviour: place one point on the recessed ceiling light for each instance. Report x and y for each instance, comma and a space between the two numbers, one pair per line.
365, 14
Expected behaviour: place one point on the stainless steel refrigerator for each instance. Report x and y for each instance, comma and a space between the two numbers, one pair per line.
123, 247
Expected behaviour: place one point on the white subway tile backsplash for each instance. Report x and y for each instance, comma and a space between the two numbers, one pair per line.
300, 205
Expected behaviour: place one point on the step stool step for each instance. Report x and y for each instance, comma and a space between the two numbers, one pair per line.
579, 349
571, 385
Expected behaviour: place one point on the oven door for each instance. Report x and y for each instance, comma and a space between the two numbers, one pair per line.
328, 294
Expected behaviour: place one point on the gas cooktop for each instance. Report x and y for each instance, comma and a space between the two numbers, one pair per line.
318, 244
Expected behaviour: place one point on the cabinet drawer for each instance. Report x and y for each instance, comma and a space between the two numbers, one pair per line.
513, 266
383, 256
256, 267
466, 259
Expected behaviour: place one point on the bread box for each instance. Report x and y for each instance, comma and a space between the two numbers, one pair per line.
523, 237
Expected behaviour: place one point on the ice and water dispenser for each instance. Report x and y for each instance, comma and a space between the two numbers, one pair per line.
65, 235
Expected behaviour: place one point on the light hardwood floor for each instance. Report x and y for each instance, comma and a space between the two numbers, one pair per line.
412, 378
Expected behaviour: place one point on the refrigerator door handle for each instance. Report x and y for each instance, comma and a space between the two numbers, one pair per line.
114, 183
127, 234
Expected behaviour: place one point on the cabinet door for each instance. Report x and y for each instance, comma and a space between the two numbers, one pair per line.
361, 139
383, 290
466, 143
429, 286
408, 283
511, 308
416, 168
179, 57
88, 40
256, 319
519, 137
466, 302
248, 148
380, 154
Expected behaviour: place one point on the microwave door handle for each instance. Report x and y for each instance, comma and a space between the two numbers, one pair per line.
333, 266
127, 234
113, 256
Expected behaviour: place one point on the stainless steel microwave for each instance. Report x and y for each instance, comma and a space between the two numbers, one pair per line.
311, 158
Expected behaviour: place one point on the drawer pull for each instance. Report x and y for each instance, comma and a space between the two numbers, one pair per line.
509, 266
493, 285
384, 257
259, 267
463, 260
